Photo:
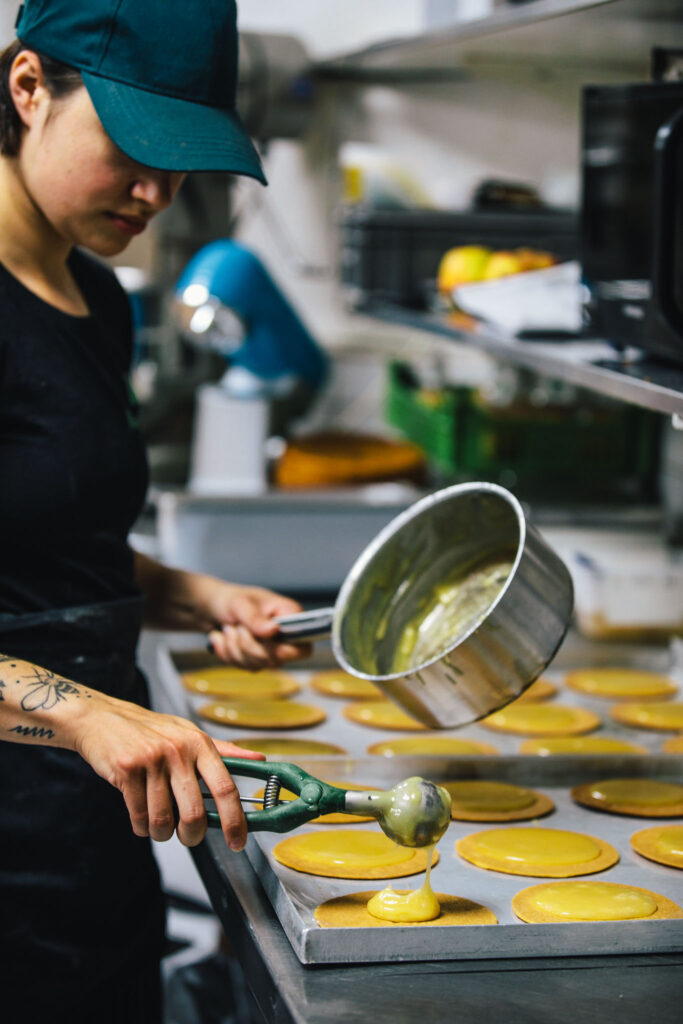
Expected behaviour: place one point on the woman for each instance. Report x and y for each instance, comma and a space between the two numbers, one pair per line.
103, 107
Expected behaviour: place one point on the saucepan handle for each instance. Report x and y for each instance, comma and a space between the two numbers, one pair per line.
311, 625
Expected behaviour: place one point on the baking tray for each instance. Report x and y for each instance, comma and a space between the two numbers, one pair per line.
355, 738
295, 895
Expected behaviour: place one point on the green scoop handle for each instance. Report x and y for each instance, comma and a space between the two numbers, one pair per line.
313, 796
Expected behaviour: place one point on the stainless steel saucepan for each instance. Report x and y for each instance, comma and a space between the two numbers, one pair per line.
505, 647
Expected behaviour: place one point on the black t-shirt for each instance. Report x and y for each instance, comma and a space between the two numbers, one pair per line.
73, 472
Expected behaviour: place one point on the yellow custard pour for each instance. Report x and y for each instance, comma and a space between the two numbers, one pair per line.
414, 813
409, 907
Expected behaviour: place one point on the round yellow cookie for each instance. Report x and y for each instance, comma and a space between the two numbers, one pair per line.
351, 853
579, 745
542, 720
287, 747
337, 817
674, 745
591, 901
541, 689
642, 798
337, 683
263, 714
430, 746
381, 714
620, 683
663, 844
238, 684
664, 717
350, 911
481, 800
541, 852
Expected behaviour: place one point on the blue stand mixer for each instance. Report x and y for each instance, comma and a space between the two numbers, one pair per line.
226, 301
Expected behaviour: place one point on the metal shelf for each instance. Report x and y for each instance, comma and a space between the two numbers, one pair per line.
592, 32
592, 364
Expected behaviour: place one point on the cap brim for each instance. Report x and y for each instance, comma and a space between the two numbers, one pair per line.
172, 134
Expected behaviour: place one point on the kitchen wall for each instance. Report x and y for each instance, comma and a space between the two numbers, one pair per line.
8, 13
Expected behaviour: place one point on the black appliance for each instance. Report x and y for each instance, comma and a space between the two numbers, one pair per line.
392, 256
631, 229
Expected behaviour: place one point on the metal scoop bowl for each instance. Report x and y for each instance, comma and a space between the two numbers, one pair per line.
414, 813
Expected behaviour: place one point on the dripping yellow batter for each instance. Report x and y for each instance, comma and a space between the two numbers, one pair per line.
407, 907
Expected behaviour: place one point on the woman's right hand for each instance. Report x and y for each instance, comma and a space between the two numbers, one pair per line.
156, 760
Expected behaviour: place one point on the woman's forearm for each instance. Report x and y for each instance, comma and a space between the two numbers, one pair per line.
241, 621
174, 599
155, 760
38, 706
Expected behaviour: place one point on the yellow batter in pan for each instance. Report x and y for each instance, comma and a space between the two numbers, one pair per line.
543, 852
643, 798
351, 911
350, 853
381, 714
665, 717
674, 745
620, 683
448, 746
481, 800
454, 609
541, 689
579, 745
238, 684
663, 844
337, 683
263, 714
591, 901
285, 747
542, 720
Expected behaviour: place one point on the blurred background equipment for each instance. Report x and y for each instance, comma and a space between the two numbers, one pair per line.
541, 438
228, 303
631, 229
394, 255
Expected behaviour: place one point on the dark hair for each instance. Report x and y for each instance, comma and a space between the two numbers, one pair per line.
60, 80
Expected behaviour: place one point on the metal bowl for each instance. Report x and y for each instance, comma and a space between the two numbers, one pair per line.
505, 649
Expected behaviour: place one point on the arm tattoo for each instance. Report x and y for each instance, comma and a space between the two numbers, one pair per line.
33, 730
46, 690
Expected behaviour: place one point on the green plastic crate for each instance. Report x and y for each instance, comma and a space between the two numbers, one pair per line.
587, 451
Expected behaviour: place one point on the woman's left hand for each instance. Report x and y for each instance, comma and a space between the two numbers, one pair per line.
247, 635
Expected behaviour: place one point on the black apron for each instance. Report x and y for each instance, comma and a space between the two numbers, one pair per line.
79, 892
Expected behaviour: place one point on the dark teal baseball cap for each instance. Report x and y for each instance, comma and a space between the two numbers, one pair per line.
162, 76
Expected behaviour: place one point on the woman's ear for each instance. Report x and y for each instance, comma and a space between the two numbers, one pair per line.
27, 86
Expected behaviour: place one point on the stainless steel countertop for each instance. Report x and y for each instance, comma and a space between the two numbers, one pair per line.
542, 991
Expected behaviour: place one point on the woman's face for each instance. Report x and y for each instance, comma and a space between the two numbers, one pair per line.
87, 189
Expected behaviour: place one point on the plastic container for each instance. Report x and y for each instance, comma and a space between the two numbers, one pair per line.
577, 452
393, 255
629, 589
